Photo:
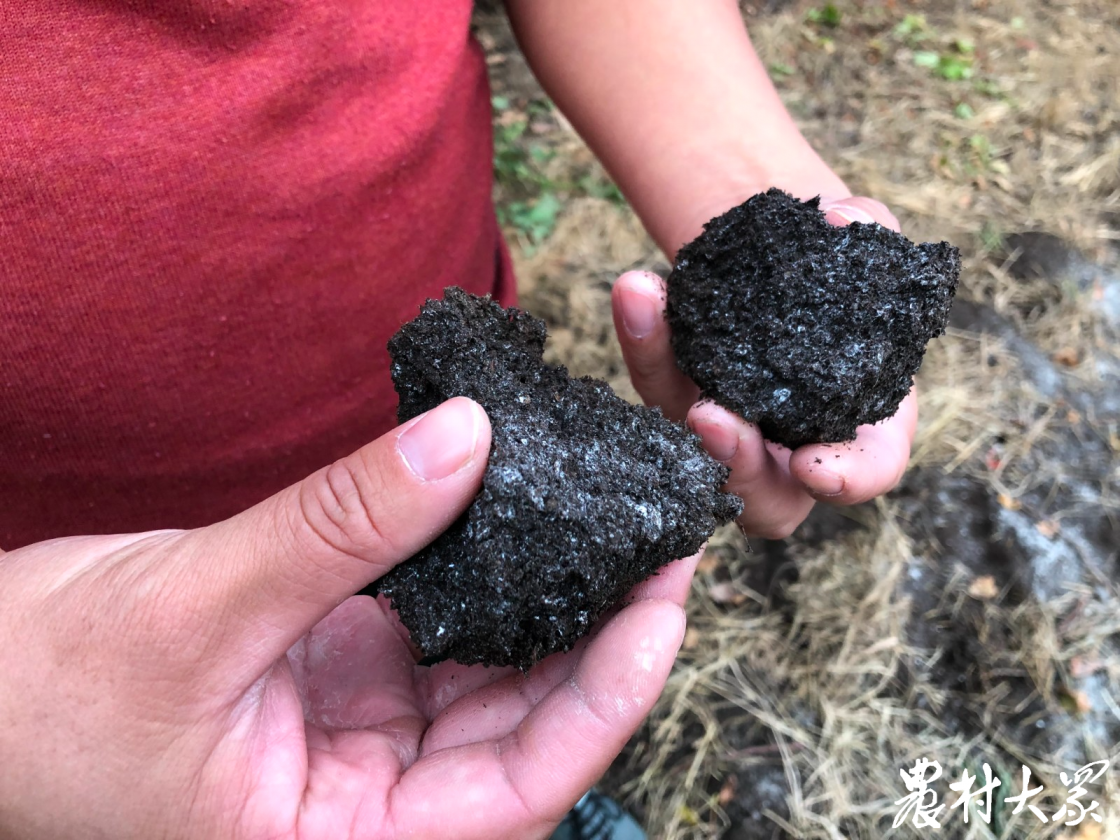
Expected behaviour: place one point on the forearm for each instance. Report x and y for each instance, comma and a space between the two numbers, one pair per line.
673, 99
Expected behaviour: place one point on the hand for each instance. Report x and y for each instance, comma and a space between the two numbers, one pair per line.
778, 487
221, 683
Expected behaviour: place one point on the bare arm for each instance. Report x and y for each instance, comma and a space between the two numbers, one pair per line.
673, 99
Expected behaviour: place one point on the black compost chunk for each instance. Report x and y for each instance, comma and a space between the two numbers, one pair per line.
584, 496
807, 329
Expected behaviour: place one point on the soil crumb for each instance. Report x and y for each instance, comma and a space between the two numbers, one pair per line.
805, 328
584, 496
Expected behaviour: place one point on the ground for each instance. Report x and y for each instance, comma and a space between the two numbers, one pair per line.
972, 616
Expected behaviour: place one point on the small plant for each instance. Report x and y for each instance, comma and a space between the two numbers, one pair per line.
986, 87
991, 238
535, 219
954, 64
981, 157
946, 65
517, 165
981, 147
826, 15
530, 196
596, 187
913, 29
971, 156
531, 205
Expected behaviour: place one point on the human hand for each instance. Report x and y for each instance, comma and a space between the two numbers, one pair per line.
778, 487
167, 685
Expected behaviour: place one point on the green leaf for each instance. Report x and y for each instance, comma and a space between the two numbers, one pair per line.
499, 103
536, 219
987, 87
600, 188
951, 67
964, 111
541, 154
511, 132
954, 69
545, 210
779, 69
911, 25
538, 107
827, 15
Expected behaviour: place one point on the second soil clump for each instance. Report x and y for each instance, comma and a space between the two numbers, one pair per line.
807, 329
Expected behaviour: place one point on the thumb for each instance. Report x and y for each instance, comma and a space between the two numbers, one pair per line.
277, 569
858, 208
638, 301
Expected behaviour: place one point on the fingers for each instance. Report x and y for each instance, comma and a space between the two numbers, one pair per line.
779, 488
872, 464
778, 491
497, 705
274, 571
774, 502
494, 710
638, 302
529, 779
671, 582
571, 737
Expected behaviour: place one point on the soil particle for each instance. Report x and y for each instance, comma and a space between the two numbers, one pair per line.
807, 329
584, 496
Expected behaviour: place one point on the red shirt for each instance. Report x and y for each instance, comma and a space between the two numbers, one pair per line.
213, 215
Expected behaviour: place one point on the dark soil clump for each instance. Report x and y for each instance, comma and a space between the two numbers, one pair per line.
584, 496
807, 329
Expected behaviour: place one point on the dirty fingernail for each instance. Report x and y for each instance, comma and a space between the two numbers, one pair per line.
826, 483
721, 442
442, 441
640, 314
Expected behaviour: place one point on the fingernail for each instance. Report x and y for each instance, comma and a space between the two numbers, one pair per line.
827, 483
441, 442
721, 442
851, 214
640, 314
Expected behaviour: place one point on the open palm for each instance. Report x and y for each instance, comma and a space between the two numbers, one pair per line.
391, 749
222, 683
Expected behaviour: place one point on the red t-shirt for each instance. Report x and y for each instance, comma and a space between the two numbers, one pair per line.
213, 215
